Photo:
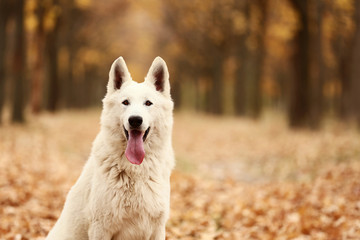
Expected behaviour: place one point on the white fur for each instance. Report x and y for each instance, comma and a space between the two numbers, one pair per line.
113, 198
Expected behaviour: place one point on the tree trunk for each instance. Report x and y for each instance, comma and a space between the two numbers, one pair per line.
318, 64
240, 83
216, 97
259, 57
242, 54
3, 21
38, 76
355, 70
70, 30
176, 93
53, 90
19, 64
343, 53
52, 59
299, 100
179, 78
345, 98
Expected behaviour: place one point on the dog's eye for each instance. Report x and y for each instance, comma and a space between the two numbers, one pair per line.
148, 103
126, 102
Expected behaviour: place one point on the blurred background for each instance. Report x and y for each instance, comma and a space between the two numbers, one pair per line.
267, 110
229, 57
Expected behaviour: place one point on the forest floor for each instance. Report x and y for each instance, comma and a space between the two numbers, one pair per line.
235, 178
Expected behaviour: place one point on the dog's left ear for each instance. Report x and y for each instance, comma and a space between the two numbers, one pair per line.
158, 76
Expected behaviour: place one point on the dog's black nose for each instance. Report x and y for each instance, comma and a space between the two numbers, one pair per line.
135, 121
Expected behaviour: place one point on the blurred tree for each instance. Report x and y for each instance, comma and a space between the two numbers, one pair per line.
187, 38
355, 69
90, 36
19, 64
4, 8
346, 49
70, 46
205, 35
52, 50
241, 55
39, 65
215, 99
317, 76
307, 85
259, 55
300, 99
343, 52
225, 56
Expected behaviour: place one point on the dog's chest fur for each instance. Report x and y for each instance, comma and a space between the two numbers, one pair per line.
131, 191
132, 198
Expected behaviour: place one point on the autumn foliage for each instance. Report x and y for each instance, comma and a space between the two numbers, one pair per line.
235, 178
241, 71
238, 57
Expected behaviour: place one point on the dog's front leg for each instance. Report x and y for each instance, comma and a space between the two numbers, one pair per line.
97, 232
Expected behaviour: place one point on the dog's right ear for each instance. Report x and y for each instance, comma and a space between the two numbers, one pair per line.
118, 74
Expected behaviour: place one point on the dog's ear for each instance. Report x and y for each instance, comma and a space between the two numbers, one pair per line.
158, 76
118, 74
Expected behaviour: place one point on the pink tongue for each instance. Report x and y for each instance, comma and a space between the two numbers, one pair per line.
135, 152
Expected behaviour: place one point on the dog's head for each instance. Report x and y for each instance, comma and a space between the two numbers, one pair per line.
138, 113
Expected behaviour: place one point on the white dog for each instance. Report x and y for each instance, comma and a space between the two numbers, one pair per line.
124, 189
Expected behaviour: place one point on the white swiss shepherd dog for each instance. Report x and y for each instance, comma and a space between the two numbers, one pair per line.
123, 191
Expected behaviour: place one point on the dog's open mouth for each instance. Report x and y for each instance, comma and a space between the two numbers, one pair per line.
144, 136
135, 152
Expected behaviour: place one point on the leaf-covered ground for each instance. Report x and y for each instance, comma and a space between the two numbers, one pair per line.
235, 178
